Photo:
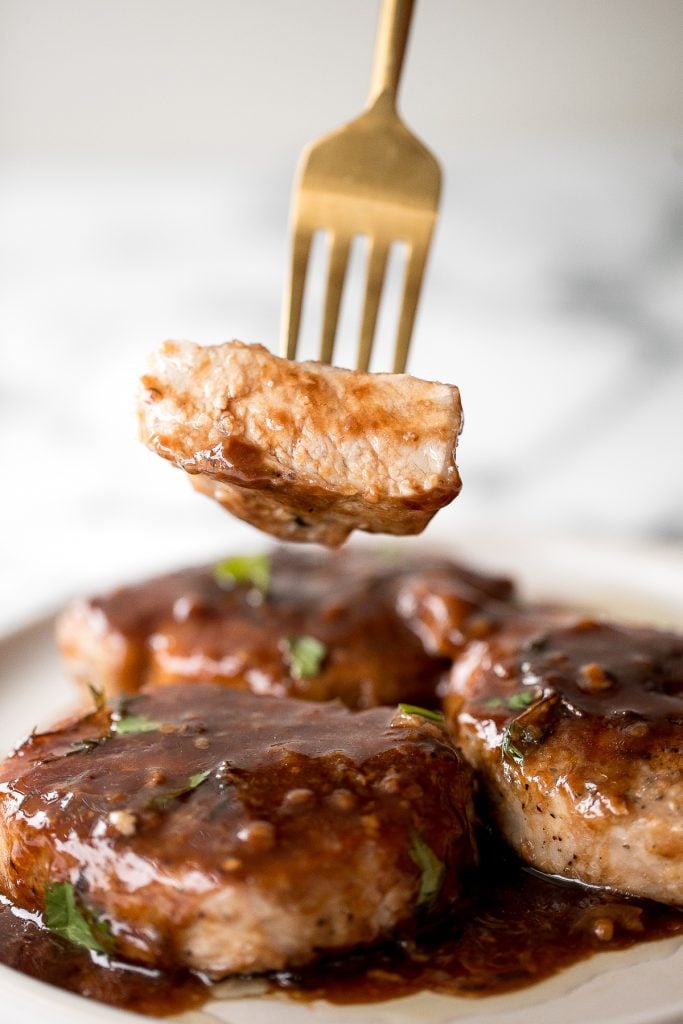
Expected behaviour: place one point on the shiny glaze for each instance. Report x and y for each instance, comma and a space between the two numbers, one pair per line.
233, 461
603, 669
520, 929
306, 452
615, 692
576, 728
292, 788
185, 626
595, 667
27, 947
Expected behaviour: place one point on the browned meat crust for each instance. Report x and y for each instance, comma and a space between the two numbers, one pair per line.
577, 729
362, 605
304, 451
238, 833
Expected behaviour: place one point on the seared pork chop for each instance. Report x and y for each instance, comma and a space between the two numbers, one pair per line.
211, 829
449, 606
576, 727
304, 451
357, 604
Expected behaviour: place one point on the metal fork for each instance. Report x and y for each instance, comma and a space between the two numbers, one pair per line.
370, 177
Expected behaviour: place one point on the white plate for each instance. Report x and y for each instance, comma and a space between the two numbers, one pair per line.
638, 986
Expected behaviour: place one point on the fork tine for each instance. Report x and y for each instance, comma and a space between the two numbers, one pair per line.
336, 273
374, 282
412, 283
294, 290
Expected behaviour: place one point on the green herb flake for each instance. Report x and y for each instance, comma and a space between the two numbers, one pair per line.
492, 703
134, 723
197, 779
252, 569
521, 700
305, 655
64, 917
433, 870
413, 709
193, 781
509, 750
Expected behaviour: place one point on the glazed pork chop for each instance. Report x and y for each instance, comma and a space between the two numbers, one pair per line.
576, 727
200, 625
304, 451
205, 828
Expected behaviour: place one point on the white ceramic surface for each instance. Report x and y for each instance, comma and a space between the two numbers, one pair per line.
638, 986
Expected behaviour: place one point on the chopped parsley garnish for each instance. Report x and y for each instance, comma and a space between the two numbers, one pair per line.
515, 702
509, 750
433, 870
521, 700
492, 703
192, 783
305, 655
413, 709
252, 569
134, 723
65, 918
529, 727
197, 779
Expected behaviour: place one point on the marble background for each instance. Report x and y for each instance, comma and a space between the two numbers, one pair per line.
554, 299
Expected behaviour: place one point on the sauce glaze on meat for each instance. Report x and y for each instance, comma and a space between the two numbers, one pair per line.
576, 727
520, 928
366, 608
618, 688
304, 451
217, 830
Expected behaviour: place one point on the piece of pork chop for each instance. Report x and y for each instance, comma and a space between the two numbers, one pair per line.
206, 828
357, 604
304, 451
576, 727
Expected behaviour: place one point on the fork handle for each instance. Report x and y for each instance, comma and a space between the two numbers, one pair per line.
390, 48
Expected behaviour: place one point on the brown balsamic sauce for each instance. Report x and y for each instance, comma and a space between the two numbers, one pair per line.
362, 605
601, 668
519, 929
27, 947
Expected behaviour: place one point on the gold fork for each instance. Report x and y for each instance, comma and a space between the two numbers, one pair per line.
371, 177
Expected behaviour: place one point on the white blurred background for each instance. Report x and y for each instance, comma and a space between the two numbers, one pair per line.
146, 155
